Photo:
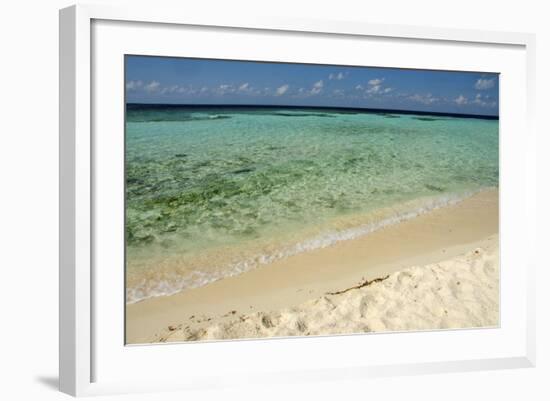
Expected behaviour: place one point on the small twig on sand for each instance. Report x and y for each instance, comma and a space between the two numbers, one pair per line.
363, 284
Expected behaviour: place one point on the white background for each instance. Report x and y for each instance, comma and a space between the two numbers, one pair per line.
28, 198
112, 362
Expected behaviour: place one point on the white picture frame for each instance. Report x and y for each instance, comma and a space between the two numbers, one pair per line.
87, 351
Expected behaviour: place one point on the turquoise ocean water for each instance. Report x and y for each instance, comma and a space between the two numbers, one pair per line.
216, 191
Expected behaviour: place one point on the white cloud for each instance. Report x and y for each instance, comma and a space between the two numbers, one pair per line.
317, 87
172, 89
482, 84
224, 88
338, 76
461, 100
484, 101
244, 87
374, 89
133, 85
175, 89
424, 99
152, 86
376, 81
281, 90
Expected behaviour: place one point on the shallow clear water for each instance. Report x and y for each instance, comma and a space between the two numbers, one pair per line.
215, 191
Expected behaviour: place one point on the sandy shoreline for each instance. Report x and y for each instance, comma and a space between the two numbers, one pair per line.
458, 293
297, 286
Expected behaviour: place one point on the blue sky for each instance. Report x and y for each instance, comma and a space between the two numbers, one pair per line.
202, 81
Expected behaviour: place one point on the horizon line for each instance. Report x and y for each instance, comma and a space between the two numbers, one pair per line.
362, 109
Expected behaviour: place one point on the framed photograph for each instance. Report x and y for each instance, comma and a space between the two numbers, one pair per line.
270, 200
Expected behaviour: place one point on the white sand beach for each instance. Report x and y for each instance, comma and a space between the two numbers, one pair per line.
439, 270
458, 293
